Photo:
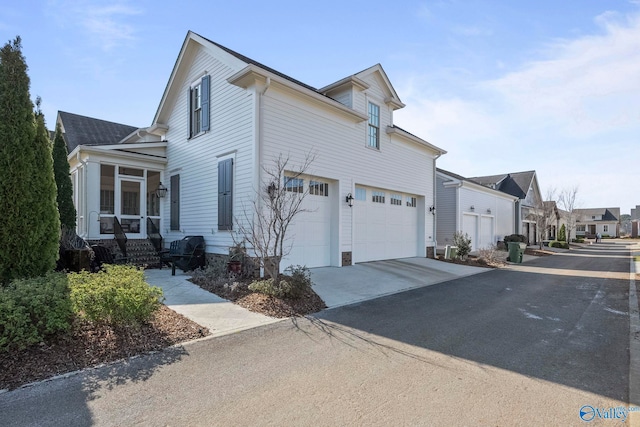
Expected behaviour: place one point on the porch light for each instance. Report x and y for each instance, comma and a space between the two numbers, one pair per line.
161, 191
472, 208
488, 211
349, 200
432, 209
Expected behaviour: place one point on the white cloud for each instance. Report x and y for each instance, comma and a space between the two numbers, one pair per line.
571, 114
106, 24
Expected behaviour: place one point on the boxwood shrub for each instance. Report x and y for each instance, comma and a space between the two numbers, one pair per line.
557, 244
32, 309
116, 295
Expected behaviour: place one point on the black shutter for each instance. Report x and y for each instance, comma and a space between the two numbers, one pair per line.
175, 202
205, 102
189, 112
225, 196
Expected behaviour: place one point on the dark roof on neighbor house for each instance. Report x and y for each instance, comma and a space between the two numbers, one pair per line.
608, 214
82, 130
515, 183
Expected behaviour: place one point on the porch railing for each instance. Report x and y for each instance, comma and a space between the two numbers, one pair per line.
154, 236
120, 237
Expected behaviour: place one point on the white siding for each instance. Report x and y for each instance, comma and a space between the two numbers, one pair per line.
196, 159
489, 205
445, 212
295, 126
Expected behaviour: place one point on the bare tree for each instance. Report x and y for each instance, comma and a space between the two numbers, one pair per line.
569, 203
278, 201
545, 213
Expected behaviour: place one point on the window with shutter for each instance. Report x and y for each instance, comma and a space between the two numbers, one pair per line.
175, 202
225, 194
199, 106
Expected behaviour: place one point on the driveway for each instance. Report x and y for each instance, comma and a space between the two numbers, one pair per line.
339, 286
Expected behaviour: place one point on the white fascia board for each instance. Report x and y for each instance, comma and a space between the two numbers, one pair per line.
253, 74
406, 135
116, 151
352, 81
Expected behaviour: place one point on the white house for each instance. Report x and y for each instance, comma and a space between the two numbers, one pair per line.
524, 186
485, 214
222, 118
593, 221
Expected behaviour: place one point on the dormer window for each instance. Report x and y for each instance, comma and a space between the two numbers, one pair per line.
374, 126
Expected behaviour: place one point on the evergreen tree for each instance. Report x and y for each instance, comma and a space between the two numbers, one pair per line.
29, 229
63, 181
562, 234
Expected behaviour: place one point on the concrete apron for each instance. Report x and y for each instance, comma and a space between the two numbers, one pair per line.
365, 281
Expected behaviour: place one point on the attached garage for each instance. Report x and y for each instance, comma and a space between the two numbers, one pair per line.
385, 225
311, 231
480, 229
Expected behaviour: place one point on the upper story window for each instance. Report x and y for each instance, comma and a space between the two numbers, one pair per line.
199, 107
374, 126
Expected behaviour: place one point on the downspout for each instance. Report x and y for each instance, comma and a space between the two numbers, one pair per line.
258, 147
435, 207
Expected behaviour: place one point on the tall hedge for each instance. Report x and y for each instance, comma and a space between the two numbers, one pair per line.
63, 181
29, 228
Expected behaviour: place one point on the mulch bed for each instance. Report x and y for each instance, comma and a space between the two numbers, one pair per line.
473, 262
238, 292
87, 345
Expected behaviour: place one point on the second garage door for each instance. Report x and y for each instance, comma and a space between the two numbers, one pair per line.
386, 225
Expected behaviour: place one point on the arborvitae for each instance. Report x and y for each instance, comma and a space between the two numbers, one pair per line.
562, 234
63, 181
29, 229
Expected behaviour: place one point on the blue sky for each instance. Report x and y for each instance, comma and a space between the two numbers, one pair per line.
503, 86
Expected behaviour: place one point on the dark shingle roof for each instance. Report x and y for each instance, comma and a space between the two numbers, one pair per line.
258, 64
82, 130
516, 183
608, 214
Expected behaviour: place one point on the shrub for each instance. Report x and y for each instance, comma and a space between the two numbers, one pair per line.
32, 309
562, 234
578, 240
117, 295
463, 243
490, 254
515, 238
557, 244
294, 285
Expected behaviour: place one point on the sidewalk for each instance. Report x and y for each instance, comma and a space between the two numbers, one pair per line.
337, 286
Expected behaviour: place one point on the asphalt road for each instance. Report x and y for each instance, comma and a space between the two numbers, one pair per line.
531, 345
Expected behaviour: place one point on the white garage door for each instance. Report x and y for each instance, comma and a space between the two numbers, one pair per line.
486, 232
386, 225
310, 233
470, 227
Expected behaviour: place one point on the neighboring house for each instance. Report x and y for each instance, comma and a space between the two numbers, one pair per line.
556, 219
524, 186
485, 214
590, 222
221, 119
635, 212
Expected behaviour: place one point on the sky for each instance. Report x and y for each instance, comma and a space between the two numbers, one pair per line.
501, 85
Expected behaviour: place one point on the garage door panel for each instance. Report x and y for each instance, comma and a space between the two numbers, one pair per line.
384, 231
310, 234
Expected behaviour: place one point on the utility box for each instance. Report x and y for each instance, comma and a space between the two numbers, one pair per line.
450, 252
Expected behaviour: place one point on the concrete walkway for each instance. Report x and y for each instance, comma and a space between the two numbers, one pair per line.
336, 286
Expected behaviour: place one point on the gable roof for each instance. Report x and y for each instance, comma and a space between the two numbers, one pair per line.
514, 183
82, 130
462, 179
608, 214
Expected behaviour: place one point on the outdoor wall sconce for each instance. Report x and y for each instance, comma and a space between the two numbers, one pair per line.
349, 200
161, 191
432, 209
472, 208
488, 211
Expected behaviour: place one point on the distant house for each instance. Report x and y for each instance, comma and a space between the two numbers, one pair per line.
590, 222
221, 120
524, 186
485, 214
555, 220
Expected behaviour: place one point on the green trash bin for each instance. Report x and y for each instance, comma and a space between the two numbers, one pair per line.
516, 251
